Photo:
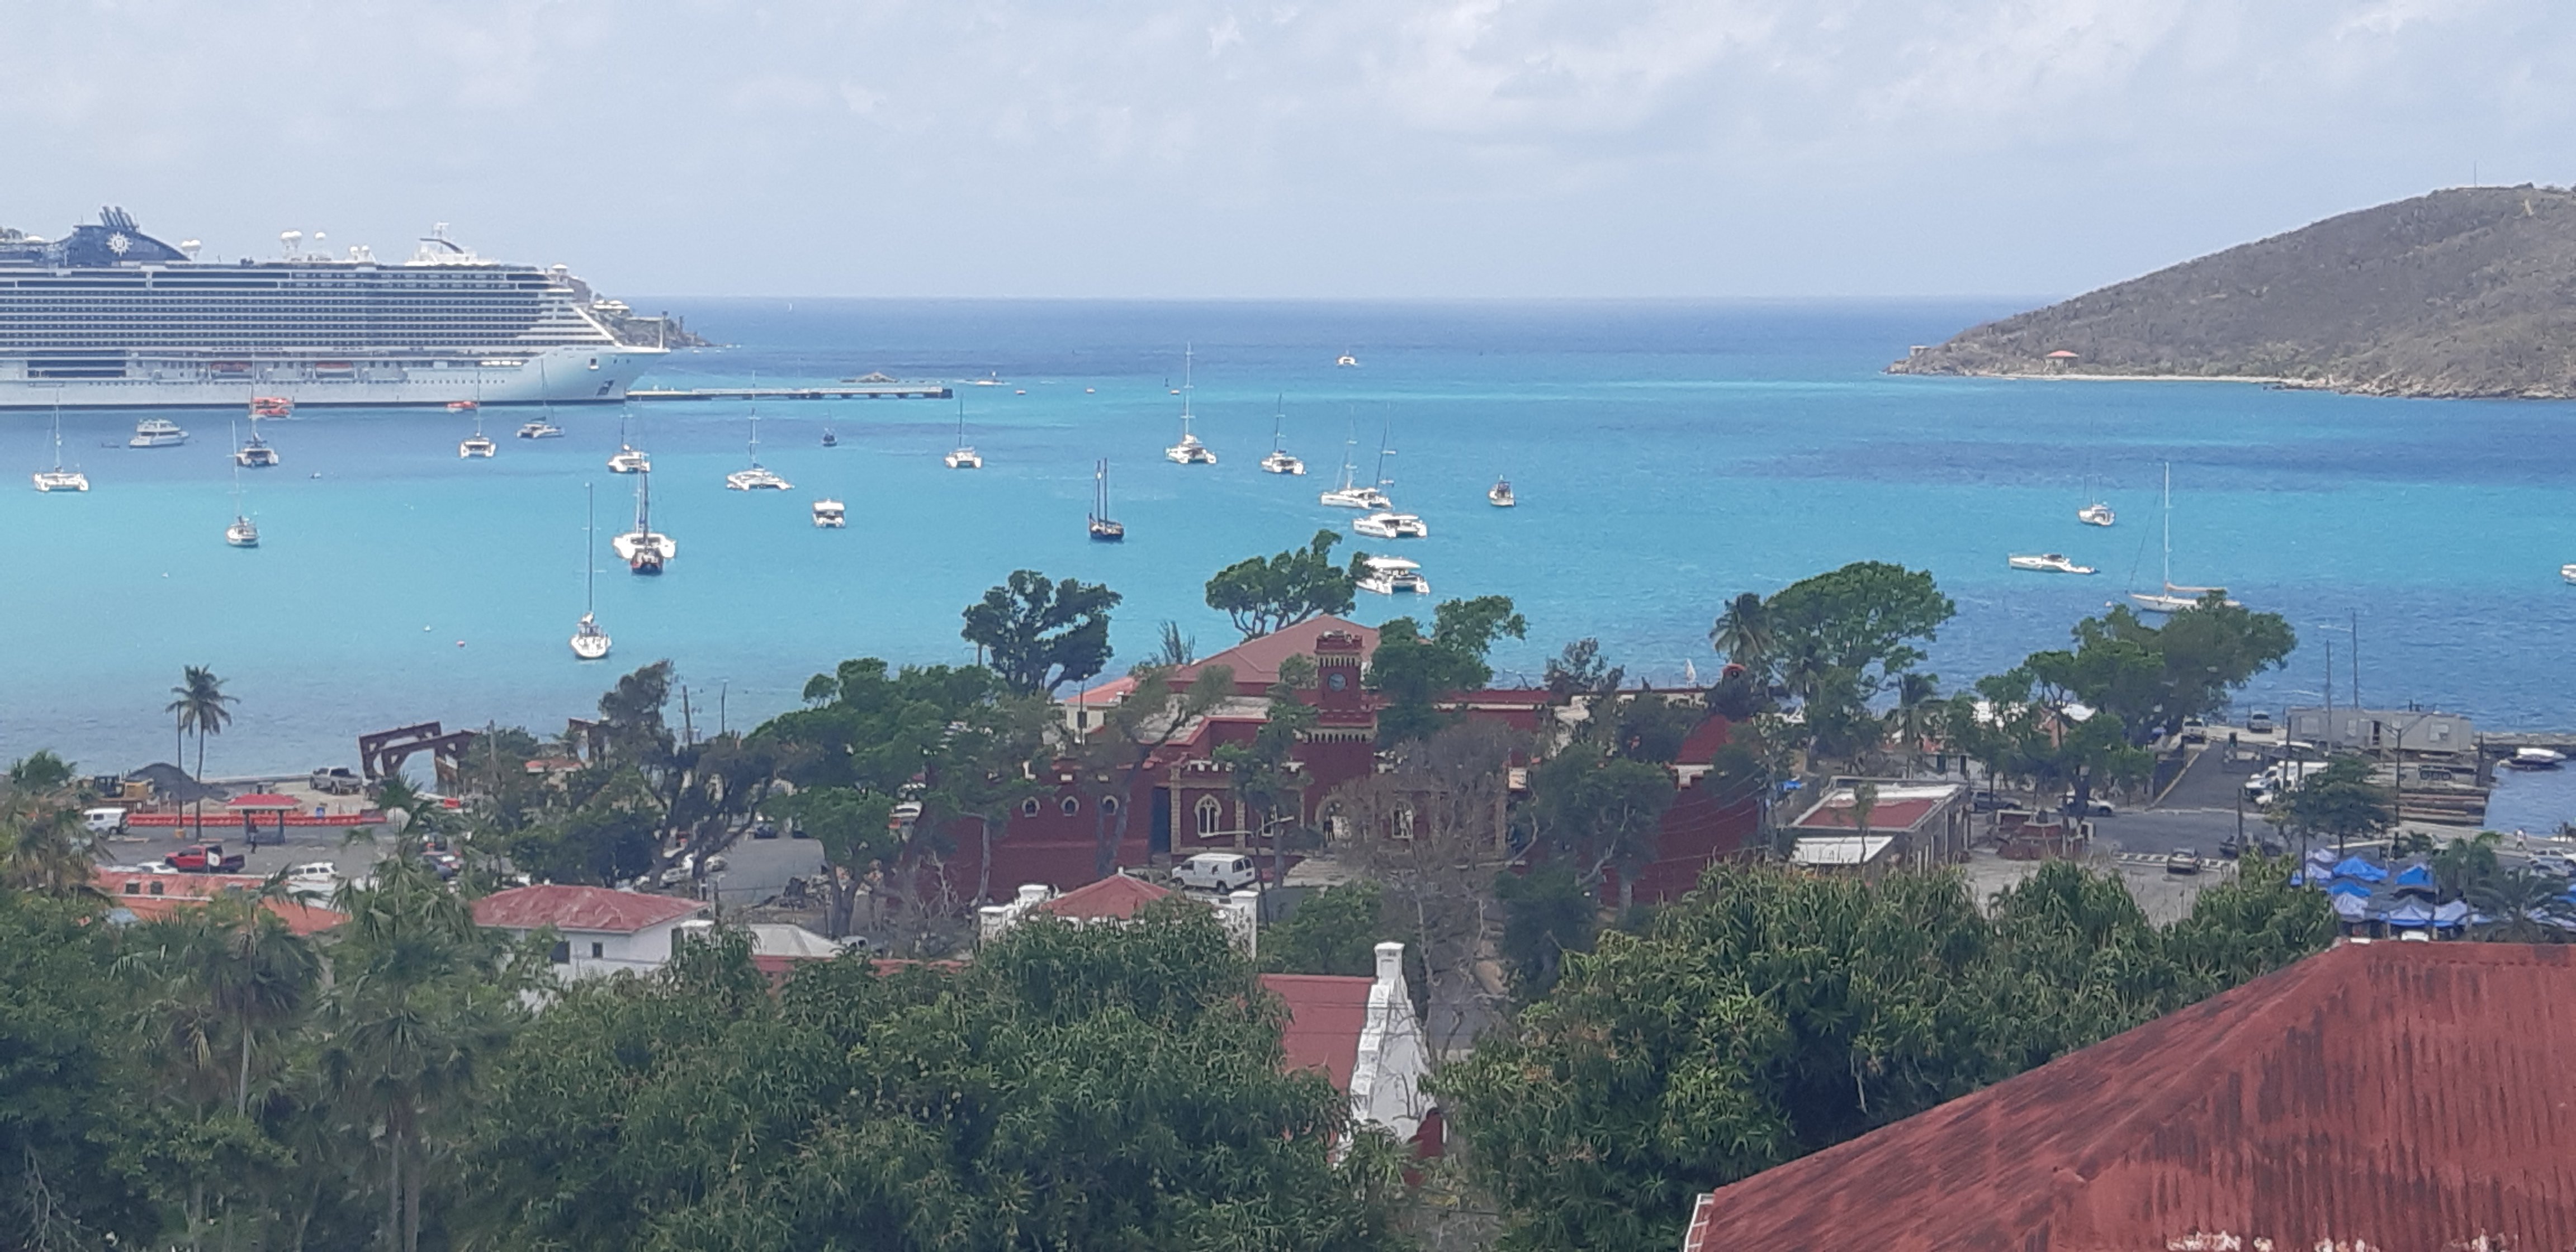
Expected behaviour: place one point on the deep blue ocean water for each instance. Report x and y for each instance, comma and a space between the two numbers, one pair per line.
1667, 455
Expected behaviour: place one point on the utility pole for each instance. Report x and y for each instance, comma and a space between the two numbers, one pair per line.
688, 731
2356, 658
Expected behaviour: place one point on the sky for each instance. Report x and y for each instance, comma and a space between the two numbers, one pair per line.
1286, 148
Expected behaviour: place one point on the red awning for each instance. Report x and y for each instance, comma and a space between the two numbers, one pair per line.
263, 800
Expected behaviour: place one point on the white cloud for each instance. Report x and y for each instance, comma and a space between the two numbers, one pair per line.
1320, 146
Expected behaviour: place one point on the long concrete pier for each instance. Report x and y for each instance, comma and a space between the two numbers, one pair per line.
851, 389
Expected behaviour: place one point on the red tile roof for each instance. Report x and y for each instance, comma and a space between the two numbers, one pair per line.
1114, 897
579, 908
1255, 661
1325, 1015
1887, 817
300, 918
2411, 1095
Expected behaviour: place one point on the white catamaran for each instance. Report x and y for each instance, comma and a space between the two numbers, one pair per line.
2174, 599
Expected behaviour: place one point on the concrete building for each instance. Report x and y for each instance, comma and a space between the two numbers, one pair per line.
2409, 731
1912, 825
1116, 899
597, 931
1363, 1035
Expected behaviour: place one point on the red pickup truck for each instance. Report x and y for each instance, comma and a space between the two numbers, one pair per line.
205, 858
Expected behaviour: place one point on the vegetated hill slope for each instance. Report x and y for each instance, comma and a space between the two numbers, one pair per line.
2464, 292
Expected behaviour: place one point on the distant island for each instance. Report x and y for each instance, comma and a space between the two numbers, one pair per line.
2466, 292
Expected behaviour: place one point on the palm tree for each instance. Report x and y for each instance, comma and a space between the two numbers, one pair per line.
1917, 715
200, 708
2522, 906
1745, 635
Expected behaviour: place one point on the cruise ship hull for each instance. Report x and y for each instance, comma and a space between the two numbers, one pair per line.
563, 375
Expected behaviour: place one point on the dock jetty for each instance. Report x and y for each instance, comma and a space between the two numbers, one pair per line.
869, 387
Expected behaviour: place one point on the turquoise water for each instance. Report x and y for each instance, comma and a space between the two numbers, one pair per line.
1666, 455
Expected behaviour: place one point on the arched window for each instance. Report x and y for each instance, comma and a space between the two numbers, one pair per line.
1404, 821
1211, 815
1109, 805
1071, 806
1028, 808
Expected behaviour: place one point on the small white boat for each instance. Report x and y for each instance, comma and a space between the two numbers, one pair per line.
243, 533
2534, 758
2175, 598
1347, 360
1393, 575
2567, 573
1279, 462
1189, 451
1103, 530
589, 642
540, 429
830, 514
2047, 563
58, 478
1500, 494
254, 453
157, 432
629, 461
476, 444
643, 548
964, 456
992, 378
758, 477
2096, 514
1390, 525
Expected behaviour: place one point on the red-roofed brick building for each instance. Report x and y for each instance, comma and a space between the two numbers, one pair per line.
1183, 801
2400, 1096
598, 931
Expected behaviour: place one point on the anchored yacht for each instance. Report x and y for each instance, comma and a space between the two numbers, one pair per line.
644, 549
1103, 530
157, 432
1390, 525
1393, 575
831, 514
1279, 462
254, 453
758, 477
540, 428
1500, 494
964, 456
589, 641
2047, 563
2096, 514
1189, 451
58, 478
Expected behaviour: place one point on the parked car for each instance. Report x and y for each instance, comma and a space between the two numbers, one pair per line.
2096, 807
337, 780
2183, 861
2195, 730
1217, 871
764, 830
103, 821
205, 858
2258, 722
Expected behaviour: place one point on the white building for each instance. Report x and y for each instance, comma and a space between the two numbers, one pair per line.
597, 931
1363, 1034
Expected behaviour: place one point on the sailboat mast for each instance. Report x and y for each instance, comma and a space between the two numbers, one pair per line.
590, 549
2168, 511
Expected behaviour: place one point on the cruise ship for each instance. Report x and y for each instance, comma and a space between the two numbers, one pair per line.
110, 317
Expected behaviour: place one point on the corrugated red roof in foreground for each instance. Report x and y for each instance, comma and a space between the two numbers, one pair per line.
2411, 1095
579, 908
1325, 1015
1115, 897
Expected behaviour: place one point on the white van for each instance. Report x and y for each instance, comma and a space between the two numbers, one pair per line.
103, 821
1217, 871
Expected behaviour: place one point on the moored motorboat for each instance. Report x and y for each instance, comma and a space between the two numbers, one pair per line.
272, 407
629, 461
2567, 572
1393, 575
2096, 514
2534, 759
1386, 524
539, 428
831, 514
157, 432
1500, 494
2047, 563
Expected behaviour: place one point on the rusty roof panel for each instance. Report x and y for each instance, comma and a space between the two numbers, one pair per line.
2410, 1096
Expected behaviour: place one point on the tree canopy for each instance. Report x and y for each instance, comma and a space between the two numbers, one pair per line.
1265, 594
1039, 633
1413, 669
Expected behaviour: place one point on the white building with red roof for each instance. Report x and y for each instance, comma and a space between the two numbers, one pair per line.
1363, 1035
1116, 899
597, 931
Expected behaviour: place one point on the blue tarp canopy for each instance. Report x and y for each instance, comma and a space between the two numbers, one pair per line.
2352, 889
2453, 914
2409, 914
2355, 867
2415, 876
2351, 908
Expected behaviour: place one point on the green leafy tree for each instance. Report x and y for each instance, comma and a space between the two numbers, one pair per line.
74, 1116
1594, 812
1264, 595
1413, 670
1581, 670
2155, 677
1867, 618
1548, 915
1039, 633
2339, 802
1334, 931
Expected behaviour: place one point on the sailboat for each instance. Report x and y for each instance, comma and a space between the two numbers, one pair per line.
542, 427
589, 642
1348, 495
1500, 494
830, 440
758, 477
628, 459
965, 457
644, 549
1189, 451
58, 478
2174, 599
243, 533
1103, 530
478, 445
2097, 513
255, 452
1279, 462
